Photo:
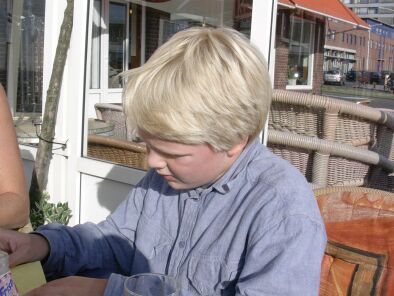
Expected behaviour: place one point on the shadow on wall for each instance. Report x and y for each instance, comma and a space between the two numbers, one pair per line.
111, 193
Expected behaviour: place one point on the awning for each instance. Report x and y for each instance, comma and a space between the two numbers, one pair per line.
334, 9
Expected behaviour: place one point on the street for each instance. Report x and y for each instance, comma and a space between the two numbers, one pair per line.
374, 102
377, 97
382, 103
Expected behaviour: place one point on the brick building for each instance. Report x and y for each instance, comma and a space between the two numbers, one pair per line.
300, 41
347, 48
297, 61
382, 10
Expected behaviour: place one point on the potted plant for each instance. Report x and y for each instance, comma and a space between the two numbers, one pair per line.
292, 75
47, 212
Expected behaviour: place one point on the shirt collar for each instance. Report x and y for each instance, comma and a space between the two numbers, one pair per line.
225, 183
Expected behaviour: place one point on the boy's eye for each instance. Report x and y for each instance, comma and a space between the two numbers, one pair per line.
164, 154
172, 156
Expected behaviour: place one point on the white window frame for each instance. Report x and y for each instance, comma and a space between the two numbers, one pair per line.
308, 86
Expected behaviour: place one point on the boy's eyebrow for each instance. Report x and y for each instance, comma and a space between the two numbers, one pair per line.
164, 152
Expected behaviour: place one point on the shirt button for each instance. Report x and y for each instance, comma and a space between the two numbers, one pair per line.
182, 244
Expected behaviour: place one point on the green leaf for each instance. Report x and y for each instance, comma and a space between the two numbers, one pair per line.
47, 212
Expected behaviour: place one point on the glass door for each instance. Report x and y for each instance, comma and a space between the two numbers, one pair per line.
124, 35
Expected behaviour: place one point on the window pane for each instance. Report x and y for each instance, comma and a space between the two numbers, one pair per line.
21, 62
155, 23
96, 43
117, 39
135, 30
4, 38
300, 52
28, 21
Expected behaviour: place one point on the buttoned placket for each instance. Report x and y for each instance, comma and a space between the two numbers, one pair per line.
182, 246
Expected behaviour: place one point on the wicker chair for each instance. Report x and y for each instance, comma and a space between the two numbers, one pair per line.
333, 142
116, 150
359, 257
113, 112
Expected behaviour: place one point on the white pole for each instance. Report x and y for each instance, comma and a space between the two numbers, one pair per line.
264, 38
369, 41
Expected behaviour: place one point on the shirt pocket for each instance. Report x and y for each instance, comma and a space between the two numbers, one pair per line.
211, 276
151, 239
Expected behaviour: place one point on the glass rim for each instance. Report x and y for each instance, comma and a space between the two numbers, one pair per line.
151, 273
155, 275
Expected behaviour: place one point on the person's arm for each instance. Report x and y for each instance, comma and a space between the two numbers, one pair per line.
284, 259
87, 249
96, 250
14, 202
23, 247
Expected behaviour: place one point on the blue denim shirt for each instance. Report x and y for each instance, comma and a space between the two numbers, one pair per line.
255, 231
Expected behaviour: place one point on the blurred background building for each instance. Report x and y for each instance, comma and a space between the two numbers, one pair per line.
382, 10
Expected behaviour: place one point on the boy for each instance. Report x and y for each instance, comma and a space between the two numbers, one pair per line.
217, 210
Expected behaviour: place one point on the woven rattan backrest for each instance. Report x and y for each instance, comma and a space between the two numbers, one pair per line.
332, 142
113, 113
116, 150
384, 146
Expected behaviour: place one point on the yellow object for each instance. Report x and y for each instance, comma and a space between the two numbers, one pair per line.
28, 276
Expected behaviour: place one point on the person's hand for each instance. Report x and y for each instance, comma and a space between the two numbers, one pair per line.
71, 286
23, 247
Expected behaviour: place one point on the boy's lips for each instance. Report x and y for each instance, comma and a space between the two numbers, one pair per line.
168, 177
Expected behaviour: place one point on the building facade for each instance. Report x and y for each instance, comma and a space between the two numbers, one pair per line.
381, 46
348, 48
345, 47
299, 50
300, 41
382, 10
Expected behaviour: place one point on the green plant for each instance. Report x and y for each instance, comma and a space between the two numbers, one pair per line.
291, 73
46, 212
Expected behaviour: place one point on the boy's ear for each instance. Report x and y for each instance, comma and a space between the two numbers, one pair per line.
237, 148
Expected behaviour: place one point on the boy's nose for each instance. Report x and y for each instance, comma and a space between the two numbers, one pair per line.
155, 161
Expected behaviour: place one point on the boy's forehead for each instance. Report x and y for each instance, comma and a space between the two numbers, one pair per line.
155, 141
152, 137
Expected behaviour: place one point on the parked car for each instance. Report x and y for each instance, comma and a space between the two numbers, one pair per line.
351, 75
334, 76
363, 77
376, 77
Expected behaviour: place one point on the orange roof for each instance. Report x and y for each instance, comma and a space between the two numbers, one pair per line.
287, 3
329, 8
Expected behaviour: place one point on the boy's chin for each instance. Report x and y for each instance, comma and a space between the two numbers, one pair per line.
180, 186
177, 185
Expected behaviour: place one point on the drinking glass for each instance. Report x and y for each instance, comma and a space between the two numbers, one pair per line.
151, 284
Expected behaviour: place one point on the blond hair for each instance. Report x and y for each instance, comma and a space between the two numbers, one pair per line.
204, 85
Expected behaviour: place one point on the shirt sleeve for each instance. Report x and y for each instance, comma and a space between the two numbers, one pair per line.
285, 259
95, 250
